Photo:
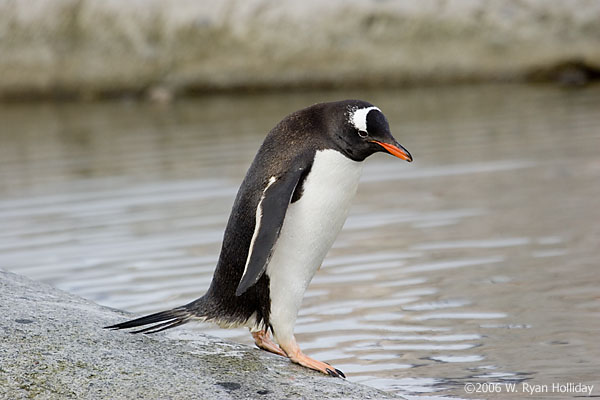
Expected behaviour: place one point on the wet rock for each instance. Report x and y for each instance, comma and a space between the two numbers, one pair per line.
574, 73
53, 347
90, 48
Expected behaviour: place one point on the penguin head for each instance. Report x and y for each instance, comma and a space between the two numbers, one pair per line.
364, 131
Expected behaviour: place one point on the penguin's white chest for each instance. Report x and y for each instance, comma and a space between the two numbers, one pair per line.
309, 229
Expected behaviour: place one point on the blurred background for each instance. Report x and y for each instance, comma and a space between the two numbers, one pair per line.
127, 127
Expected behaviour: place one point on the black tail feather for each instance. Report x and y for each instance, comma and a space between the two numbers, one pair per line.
162, 327
161, 320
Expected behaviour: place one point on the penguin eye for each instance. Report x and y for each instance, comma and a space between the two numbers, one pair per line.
363, 134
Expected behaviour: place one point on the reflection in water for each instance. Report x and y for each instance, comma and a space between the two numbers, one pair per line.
476, 263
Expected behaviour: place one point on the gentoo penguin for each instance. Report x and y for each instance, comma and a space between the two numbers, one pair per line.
288, 211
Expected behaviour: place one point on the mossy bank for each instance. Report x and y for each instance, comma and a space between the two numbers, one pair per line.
53, 347
92, 48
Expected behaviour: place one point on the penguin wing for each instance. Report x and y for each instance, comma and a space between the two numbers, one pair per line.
270, 214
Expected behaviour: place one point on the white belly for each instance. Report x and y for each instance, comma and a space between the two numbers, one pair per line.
310, 226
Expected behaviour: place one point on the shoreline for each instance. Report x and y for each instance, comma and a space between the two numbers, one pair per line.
160, 50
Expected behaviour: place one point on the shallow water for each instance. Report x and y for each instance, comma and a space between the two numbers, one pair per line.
477, 263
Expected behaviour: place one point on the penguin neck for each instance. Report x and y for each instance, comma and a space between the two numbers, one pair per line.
336, 163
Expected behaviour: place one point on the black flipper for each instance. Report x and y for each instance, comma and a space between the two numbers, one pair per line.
270, 214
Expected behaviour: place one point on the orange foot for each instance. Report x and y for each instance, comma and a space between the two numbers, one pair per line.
295, 354
263, 341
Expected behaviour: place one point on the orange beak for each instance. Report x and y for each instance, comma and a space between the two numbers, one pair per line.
395, 150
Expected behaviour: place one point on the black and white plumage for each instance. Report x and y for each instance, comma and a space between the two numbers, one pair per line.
287, 213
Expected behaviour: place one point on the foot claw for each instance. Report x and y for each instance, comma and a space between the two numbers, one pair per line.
296, 356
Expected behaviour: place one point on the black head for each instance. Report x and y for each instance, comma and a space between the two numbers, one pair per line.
360, 129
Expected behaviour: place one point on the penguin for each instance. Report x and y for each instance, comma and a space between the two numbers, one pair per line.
287, 213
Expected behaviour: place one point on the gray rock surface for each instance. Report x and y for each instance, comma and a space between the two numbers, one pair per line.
91, 47
53, 347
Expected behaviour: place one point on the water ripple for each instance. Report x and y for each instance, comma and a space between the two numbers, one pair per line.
477, 262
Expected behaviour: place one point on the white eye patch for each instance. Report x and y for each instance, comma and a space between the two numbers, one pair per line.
358, 118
